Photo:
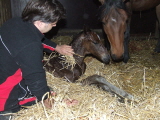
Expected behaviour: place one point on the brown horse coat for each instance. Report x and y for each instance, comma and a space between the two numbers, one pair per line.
116, 17
86, 42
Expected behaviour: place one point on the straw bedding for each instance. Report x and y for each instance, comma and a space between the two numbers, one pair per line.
139, 77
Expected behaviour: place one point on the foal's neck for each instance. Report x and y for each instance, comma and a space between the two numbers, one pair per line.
79, 51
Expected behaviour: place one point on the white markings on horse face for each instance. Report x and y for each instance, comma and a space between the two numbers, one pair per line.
98, 37
113, 19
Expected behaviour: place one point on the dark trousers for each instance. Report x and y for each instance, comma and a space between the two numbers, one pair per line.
18, 97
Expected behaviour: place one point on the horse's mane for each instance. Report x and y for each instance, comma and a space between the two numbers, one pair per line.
105, 8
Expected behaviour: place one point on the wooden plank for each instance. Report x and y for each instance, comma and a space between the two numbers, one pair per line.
17, 7
5, 11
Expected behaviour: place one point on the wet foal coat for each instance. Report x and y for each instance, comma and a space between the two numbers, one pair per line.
86, 42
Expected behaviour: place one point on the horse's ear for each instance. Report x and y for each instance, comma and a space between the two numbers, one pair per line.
102, 1
125, 1
86, 29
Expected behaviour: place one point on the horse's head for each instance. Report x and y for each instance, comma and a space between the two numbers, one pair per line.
115, 18
93, 45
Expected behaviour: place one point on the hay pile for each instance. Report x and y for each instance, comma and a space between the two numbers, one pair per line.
139, 77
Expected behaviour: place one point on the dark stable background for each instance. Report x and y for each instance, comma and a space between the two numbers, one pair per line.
80, 12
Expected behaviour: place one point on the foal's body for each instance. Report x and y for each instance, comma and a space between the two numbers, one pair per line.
86, 42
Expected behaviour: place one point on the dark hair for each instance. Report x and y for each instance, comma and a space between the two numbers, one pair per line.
47, 11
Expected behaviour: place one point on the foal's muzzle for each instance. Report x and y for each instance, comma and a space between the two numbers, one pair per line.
106, 59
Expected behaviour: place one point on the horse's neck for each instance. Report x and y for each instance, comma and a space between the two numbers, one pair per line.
140, 5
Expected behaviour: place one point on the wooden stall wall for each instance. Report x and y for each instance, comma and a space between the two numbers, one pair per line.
17, 7
80, 12
5, 11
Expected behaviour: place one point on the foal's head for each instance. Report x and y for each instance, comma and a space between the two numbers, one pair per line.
114, 16
89, 43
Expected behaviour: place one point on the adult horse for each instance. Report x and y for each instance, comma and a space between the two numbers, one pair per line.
86, 42
116, 17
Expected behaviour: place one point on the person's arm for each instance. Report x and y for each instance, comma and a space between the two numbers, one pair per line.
48, 45
30, 62
62, 49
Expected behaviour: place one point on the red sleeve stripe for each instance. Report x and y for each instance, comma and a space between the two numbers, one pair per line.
27, 100
48, 47
7, 86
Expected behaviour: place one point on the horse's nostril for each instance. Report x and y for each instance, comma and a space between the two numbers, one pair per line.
117, 59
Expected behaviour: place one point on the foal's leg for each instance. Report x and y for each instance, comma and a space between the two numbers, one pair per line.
157, 49
102, 83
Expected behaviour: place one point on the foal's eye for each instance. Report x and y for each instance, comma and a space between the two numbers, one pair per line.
95, 42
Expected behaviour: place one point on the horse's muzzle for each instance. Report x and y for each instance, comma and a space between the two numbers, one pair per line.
117, 59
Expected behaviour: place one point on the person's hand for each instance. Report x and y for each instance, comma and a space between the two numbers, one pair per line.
49, 101
71, 102
64, 50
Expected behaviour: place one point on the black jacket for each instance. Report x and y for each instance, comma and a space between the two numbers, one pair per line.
21, 49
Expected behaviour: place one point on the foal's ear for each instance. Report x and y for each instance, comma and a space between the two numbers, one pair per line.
86, 29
